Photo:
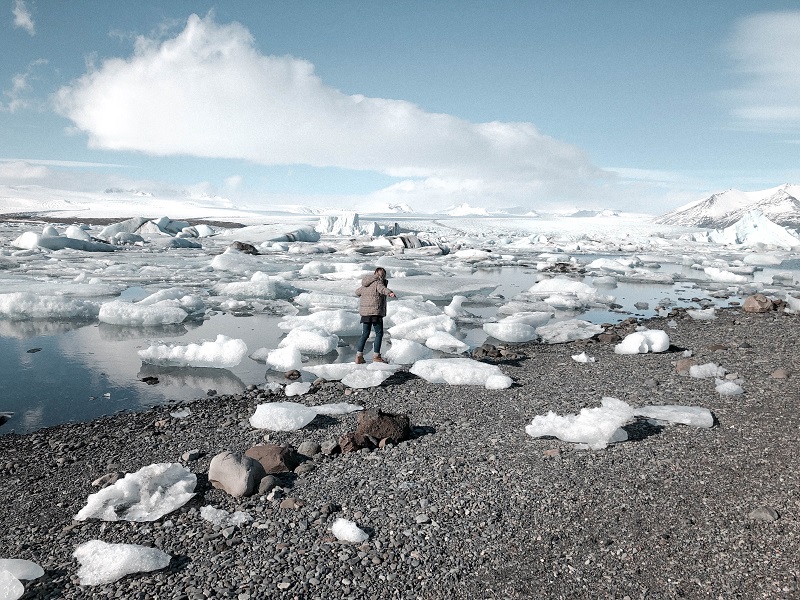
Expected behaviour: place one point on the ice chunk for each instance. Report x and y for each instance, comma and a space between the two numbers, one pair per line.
532, 318
337, 408
20, 568
642, 342
728, 388
298, 388
444, 342
222, 353
105, 563
724, 276
454, 310
459, 371
284, 359
146, 495
707, 314
10, 587
506, 331
119, 312
583, 358
333, 371
347, 531
341, 322
707, 370
406, 352
366, 378
694, 416
568, 331
318, 300
595, 427
282, 416
259, 286
793, 305
419, 330
222, 518
18, 306
562, 291
408, 309
181, 414
310, 340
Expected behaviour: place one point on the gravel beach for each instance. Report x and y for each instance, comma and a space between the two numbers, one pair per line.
471, 506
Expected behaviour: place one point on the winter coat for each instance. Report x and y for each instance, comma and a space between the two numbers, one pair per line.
373, 293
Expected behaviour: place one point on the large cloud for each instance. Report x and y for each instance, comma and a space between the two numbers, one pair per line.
209, 92
766, 48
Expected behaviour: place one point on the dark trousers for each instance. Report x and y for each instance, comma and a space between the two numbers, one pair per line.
365, 329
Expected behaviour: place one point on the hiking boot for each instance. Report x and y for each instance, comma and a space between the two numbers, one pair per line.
360, 359
378, 358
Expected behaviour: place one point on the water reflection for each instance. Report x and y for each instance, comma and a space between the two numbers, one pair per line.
118, 333
38, 327
201, 379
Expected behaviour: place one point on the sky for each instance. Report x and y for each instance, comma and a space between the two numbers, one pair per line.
547, 105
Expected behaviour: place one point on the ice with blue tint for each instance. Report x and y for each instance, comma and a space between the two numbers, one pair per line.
102, 563
222, 353
146, 495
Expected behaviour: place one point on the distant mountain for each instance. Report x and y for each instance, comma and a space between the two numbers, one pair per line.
780, 205
465, 209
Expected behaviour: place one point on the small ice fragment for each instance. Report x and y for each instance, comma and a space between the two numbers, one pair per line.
282, 416
583, 358
105, 563
347, 531
708, 314
728, 388
20, 568
337, 408
298, 388
459, 371
222, 518
10, 587
706, 371
181, 414
595, 427
366, 378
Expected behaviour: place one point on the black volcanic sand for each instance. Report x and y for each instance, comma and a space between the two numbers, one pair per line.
471, 507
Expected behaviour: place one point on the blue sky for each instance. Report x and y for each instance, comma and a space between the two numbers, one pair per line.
638, 106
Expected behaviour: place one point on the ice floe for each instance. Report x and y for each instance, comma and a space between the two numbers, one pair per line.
310, 340
27, 305
222, 353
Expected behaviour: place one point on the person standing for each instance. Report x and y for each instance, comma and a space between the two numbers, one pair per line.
372, 308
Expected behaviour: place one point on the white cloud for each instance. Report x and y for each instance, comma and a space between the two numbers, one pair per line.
19, 93
23, 17
209, 92
766, 48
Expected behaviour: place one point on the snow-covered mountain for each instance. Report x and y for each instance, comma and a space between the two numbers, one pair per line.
780, 205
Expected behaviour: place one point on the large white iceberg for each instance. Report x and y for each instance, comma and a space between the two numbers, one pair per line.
105, 563
222, 353
146, 495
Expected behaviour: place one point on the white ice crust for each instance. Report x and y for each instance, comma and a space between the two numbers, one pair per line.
146, 495
105, 563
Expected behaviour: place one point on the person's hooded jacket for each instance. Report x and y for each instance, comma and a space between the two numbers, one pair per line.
373, 293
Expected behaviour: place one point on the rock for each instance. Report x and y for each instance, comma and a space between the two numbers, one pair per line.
308, 448
552, 452
781, 373
757, 303
107, 479
422, 519
485, 351
683, 365
293, 374
267, 484
234, 473
306, 467
150, 379
609, 337
292, 503
764, 513
349, 443
191, 455
641, 305
274, 458
382, 425
244, 247
716, 347
329, 447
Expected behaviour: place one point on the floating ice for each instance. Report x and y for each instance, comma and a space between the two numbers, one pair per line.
511, 331
694, 416
222, 353
146, 495
105, 563
19, 306
347, 531
119, 312
706, 371
728, 388
444, 342
532, 318
282, 416
333, 371
318, 300
583, 358
460, 371
642, 342
595, 427
707, 314
20, 568
408, 309
298, 388
310, 340
284, 359
337, 408
422, 328
565, 292
724, 276
30, 240
341, 322
10, 587
366, 378
568, 331
259, 286
222, 518
406, 352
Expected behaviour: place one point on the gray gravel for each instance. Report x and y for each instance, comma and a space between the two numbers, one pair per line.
471, 507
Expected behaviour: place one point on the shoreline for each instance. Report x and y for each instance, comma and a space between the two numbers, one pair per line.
470, 507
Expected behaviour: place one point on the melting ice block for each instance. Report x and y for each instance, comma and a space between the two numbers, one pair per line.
129, 314
20, 568
10, 587
728, 388
461, 371
333, 371
707, 370
298, 388
222, 353
310, 340
406, 352
444, 342
284, 359
695, 416
570, 330
366, 378
724, 276
707, 314
420, 329
259, 286
595, 427
19, 306
105, 563
146, 495
282, 416
583, 358
337, 408
642, 342
341, 322
222, 518
347, 531
506, 331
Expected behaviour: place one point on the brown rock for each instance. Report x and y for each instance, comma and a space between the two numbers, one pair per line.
716, 347
609, 337
349, 443
293, 374
552, 452
781, 373
757, 303
381, 425
683, 365
274, 458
